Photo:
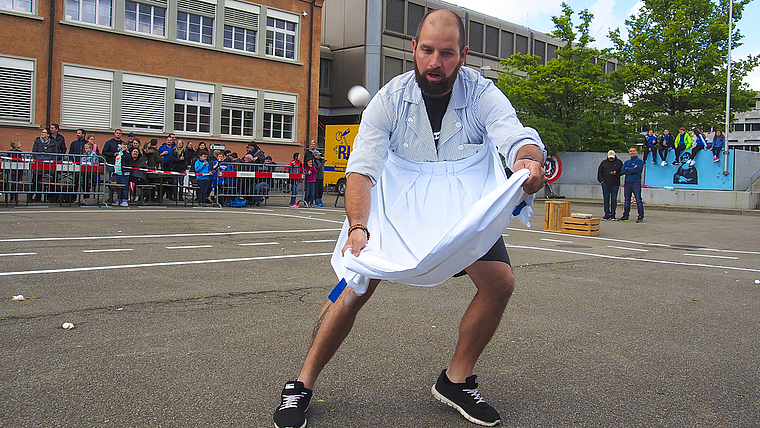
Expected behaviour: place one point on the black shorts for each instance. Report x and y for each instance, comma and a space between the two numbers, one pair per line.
497, 253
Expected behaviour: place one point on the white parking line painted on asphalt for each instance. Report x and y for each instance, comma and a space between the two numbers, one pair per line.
259, 243
108, 250
728, 251
625, 241
632, 259
17, 254
711, 256
188, 247
556, 240
175, 235
626, 248
160, 264
319, 240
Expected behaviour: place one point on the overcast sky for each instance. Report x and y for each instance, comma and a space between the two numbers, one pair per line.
608, 14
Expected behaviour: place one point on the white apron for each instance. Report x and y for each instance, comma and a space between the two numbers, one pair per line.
430, 220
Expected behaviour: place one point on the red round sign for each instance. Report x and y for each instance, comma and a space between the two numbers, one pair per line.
553, 167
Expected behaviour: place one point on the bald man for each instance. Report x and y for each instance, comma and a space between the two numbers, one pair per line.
449, 115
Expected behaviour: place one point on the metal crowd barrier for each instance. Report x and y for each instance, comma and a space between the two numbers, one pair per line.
256, 183
57, 178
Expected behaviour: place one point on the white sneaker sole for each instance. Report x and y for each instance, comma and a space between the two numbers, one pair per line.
438, 396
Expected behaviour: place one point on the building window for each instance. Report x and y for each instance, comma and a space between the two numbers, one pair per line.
17, 5
393, 67
90, 11
16, 77
86, 98
507, 44
476, 37
738, 127
394, 16
241, 39
195, 28
144, 18
143, 102
241, 24
539, 48
521, 44
281, 38
278, 119
238, 112
324, 74
414, 16
192, 111
492, 41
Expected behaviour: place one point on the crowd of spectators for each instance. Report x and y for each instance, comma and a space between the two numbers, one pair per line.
129, 164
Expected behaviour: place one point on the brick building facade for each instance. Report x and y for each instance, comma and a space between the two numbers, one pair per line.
220, 71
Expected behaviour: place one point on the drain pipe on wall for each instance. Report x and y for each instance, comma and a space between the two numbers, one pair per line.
311, 67
50, 63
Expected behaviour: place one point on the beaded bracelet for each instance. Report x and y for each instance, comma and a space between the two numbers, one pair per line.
359, 226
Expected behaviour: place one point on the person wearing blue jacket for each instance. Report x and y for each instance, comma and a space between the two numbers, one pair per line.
717, 144
651, 146
700, 143
632, 169
203, 176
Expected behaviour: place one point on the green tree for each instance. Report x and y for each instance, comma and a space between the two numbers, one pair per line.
570, 101
674, 63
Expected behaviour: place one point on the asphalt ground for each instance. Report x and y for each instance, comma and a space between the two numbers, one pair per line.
197, 316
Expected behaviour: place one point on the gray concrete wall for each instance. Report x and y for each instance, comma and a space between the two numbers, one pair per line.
745, 164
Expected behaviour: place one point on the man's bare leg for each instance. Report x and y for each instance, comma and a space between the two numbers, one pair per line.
333, 325
495, 283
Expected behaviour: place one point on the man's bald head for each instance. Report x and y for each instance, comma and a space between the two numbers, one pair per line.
443, 18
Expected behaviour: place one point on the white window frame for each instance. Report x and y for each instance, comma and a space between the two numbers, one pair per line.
188, 107
86, 97
205, 21
13, 6
245, 32
205, 11
274, 17
17, 90
241, 18
153, 9
279, 110
98, 9
238, 100
143, 107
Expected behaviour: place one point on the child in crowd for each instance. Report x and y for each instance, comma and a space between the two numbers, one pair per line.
651, 146
91, 139
217, 179
16, 173
294, 167
121, 173
203, 176
311, 182
666, 143
682, 142
699, 145
89, 157
717, 145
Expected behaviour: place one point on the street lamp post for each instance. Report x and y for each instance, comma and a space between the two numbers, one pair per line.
728, 87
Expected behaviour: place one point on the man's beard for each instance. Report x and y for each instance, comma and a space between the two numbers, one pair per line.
439, 88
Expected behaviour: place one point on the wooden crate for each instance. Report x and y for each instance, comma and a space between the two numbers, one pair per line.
554, 211
580, 226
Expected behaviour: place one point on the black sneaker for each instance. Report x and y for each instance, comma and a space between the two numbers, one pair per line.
466, 399
640, 220
291, 413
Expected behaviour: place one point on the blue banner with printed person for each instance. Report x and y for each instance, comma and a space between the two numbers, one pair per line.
702, 173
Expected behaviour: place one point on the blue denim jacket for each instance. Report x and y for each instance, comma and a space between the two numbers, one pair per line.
396, 119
